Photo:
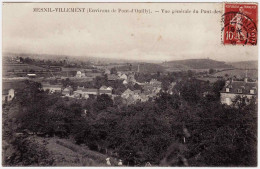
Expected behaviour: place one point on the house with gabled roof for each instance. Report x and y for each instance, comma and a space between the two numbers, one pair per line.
52, 88
123, 76
127, 93
155, 83
67, 91
7, 95
232, 89
108, 92
125, 82
103, 87
90, 91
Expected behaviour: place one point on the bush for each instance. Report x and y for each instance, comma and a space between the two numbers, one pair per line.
28, 153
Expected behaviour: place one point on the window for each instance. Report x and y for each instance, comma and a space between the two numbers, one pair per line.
239, 90
252, 91
227, 89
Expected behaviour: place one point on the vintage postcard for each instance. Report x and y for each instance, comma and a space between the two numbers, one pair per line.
130, 84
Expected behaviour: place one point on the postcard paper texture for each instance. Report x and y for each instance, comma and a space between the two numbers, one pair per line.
130, 84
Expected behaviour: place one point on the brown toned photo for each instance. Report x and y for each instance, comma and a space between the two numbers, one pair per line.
129, 84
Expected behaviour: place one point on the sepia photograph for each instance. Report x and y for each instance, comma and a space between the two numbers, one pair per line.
125, 84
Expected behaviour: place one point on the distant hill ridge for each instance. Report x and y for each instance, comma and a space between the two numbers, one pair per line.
252, 64
196, 64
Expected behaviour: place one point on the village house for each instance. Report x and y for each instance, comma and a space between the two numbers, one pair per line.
152, 89
52, 88
9, 89
119, 74
112, 77
123, 76
136, 95
131, 78
108, 92
155, 83
148, 89
67, 91
143, 97
125, 82
90, 91
85, 93
232, 89
83, 74
127, 93
78, 74
31, 75
107, 72
131, 97
105, 90
7, 95
103, 87
80, 88
82, 92
130, 100
110, 88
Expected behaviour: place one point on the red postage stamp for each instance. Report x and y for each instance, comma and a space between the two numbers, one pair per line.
240, 24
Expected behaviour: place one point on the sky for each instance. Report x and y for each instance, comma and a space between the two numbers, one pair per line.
156, 36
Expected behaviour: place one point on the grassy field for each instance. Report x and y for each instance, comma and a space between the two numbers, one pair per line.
21, 66
66, 153
239, 73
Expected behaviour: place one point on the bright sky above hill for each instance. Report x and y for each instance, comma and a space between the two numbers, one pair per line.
153, 36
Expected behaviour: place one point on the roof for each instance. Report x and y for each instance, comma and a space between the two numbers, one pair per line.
68, 89
105, 91
103, 87
137, 91
130, 99
90, 90
128, 91
143, 96
51, 86
80, 88
112, 77
78, 91
155, 81
148, 87
244, 86
31, 74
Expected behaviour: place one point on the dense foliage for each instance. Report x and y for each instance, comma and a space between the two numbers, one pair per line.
185, 128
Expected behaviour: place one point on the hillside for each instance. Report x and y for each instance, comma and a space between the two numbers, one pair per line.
245, 64
70, 58
58, 152
196, 64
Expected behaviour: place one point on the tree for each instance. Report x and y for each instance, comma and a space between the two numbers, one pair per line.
113, 70
103, 102
211, 71
217, 86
